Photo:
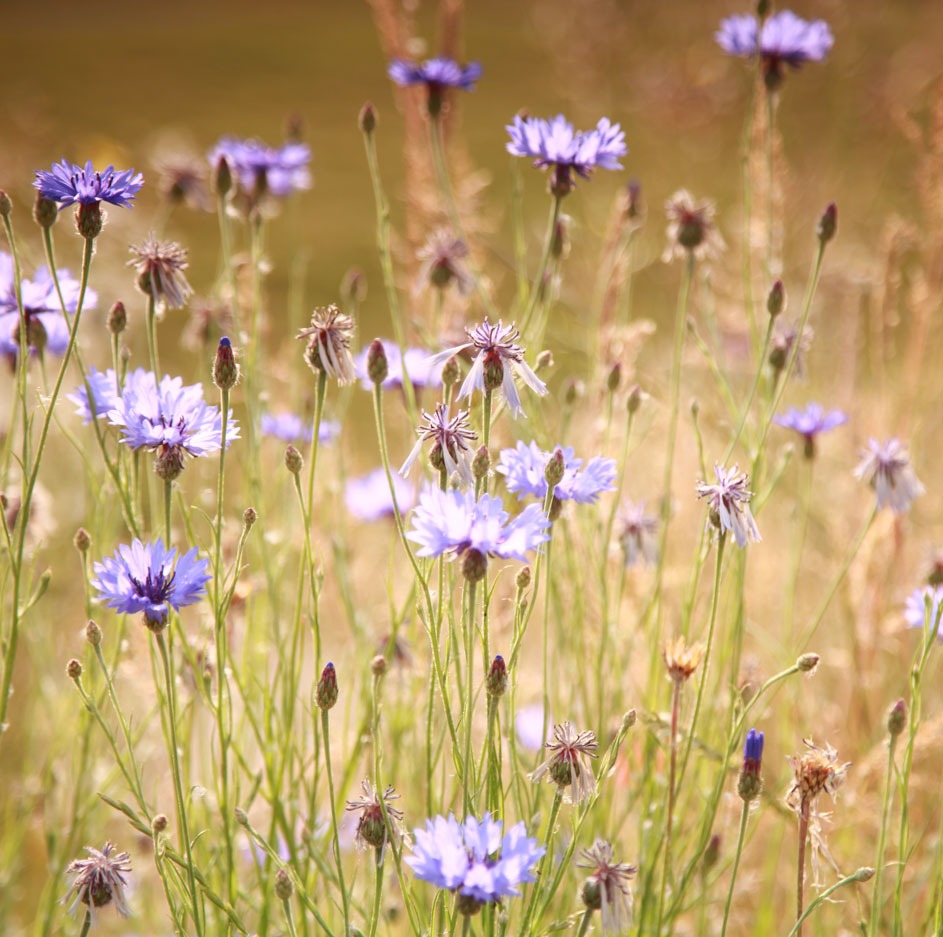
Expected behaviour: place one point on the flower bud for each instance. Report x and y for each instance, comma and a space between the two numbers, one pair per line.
378, 666
828, 224
73, 669
712, 852
897, 719
225, 369
864, 874
88, 220
573, 391
555, 468
242, 818
808, 662
45, 212
117, 318
451, 372
544, 360
93, 634
6, 206
467, 906
294, 461
367, 119
523, 578
474, 566
493, 371
614, 377
326, 694
283, 886
591, 893
634, 204
776, 301
159, 824
750, 782
377, 366
222, 177
634, 400
481, 463
82, 540
249, 517
496, 683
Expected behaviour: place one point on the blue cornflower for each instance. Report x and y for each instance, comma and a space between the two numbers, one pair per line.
525, 466
499, 357
456, 522
172, 419
554, 144
263, 169
810, 422
143, 577
46, 329
750, 782
68, 183
289, 427
474, 859
440, 72
368, 497
784, 39
915, 608
415, 362
886, 468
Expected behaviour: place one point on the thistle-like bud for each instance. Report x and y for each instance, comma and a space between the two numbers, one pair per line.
326, 694
294, 461
750, 782
555, 468
159, 824
481, 463
544, 360
614, 377
474, 566
634, 400
93, 634
6, 206
88, 220
168, 463
776, 301
82, 540
496, 683
222, 177
828, 224
377, 366
73, 669
367, 119
225, 369
283, 886
573, 391
249, 517
451, 372
808, 662
378, 666
897, 719
242, 818
493, 371
523, 578
117, 318
45, 212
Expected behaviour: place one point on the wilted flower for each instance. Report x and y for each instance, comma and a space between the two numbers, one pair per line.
569, 766
681, 659
729, 502
443, 262
923, 604
265, 170
67, 183
414, 361
637, 533
810, 422
607, 888
160, 266
368, 497
99, 880
289, 427
691, 228
784, 39
524, 468
143, 577
184, 179
372, 828
499, 357
554, 144
450, 438
886, 468
474, 859
328, 348
781, 345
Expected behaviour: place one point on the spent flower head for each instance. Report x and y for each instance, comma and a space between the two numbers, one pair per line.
729, 504
691, 228
99, 880
372, 827
811, 421
450, 438
886, 468
443, 263
637, 532
569, 766
160, 267
607, 887
681, 659
328, 349
524, 468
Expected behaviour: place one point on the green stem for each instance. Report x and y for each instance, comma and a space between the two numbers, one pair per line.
669, 814
859, 876
744, 815
86, 924
800, 870
874, 923
378, 888
326, 731
536, 290
584, 924
525, 930
468, 764
150, 319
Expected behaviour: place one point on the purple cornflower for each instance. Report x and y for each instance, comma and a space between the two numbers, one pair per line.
607, 888
810, 422
46, 329
474, 859
289, 427
886, 468
921, 602
438, 72
554, 144
368, 497
729, 502
99, 880
450, 437
414, 361
143, 577
750, 782
525, 466
172, 419
637, 533
499, 358
456, 522
68, 183
104, 388
784, 39
569, 766
443, 262
265, 170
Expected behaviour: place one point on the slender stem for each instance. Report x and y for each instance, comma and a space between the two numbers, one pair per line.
669, 817
378, 889
289, 919
536, 290
584, 924
859, 876
544, 860
874, 923
468, 764
86, 924
326, 732
150, 319
800, 870
744, 815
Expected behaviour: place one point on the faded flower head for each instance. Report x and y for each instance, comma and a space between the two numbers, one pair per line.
99, 880
681, 659
886, 468
443, 262
265, 170
729, 503
691, 228
524, 467
144, 577
816, 770
811, 421
784, 39
328, 349
368, 496
554, 144
474, 859
499, 358
925, 606
372, 828
160, 268
68, 183
450, 438
414, 362
569, 766
183, 179
637, 533
607, 888
785, 338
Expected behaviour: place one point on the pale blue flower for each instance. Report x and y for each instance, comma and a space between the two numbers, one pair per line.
886, 468
916, 608
524, 467
368, 496
435, 73
263, 169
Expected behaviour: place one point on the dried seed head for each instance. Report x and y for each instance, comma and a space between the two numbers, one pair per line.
680, 659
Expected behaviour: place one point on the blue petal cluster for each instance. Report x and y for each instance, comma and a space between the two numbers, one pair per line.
68, 183
811, 421
555, 144
915, 608
143, 577
439, 73
525, 464
783, 38
284, 169
473, 858
289, 427
103, 386
753, 748
455, 521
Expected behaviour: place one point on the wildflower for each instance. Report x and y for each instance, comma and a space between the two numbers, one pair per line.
414, 362
637, 533
368, 497
289, 427
443, 257
751, 783
496, 683
450, 437
810, 422
499, 358
184, 179
99, 880
925, 606
607, 887
143, 577
171, 419
568, 767
524, 468
680, 659
326, 692
886, 468
784, 39
784, 339
474, 859
691, 228
160, 266
372, 828
328, 348
265, 170
68, 183
436, 74
455, 522
729, 502
529, 726
105, 391
554, 144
